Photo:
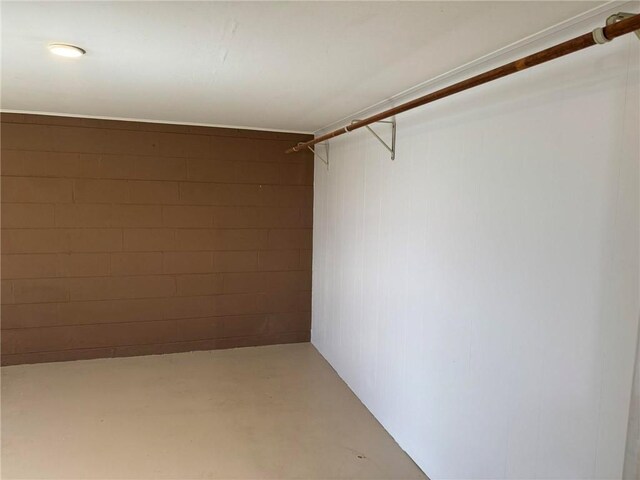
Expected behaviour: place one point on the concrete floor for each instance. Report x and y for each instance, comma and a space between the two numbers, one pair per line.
267, 412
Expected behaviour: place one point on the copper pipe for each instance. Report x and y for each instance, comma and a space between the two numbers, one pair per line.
617, 29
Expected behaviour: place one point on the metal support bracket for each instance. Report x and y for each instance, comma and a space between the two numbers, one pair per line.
620, 16
392, 148
326, 149
598, 33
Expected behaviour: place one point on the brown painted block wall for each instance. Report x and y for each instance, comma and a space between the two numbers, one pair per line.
128, 238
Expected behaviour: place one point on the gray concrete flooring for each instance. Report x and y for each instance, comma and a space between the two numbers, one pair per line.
277, 412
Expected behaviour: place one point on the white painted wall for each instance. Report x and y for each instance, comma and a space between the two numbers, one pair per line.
632, 454
480, 293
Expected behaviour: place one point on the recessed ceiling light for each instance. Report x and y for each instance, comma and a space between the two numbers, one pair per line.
65, 50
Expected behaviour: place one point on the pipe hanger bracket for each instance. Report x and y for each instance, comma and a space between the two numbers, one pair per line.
324, 159
616, 17
598, 34
392, 122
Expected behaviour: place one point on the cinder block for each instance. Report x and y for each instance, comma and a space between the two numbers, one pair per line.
241, 304
264, 173
137, 216
40, 290
200, 284
244, 282
36, 190
290, 238
292, 281
304, 300
243, 261
149, 239
280, 217
194, 239
187, 216
6, 292
288, 322
114, 166
224, 330
139, 263
42, 164
282, 302
160, 168
237, 217
84, 264
239, 239
95, 240
187, 262
25, 136
45, 265
286, 196
74, 138
297, 173
34, 240
27, 215
242, 194
135, 142
100, 191
293, 196
201, 193
187, 307
306, 217
184, 145
306, 259
89, 165
30, 315
151, 192
83, 215
30, 340
277, 260
208, 170
229, 148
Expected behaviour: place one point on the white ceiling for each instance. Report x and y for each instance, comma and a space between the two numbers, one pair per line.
278, 65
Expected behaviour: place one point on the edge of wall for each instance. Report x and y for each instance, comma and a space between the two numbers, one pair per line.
631, 469
146, 120
146, 126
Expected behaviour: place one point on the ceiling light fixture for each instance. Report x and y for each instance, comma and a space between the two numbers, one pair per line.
65, 50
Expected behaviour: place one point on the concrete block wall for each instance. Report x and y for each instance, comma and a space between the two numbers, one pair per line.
126, 238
